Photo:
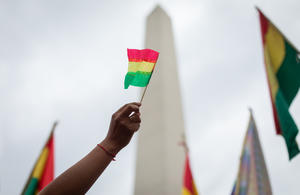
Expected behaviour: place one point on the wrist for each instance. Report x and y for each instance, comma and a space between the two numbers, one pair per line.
110, 146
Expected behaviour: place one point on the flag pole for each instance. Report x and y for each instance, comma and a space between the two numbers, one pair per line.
184, 144
52, 130
238, 181
285, 37
29, 178
145, 89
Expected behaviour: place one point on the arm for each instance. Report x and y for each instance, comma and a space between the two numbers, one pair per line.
80, 177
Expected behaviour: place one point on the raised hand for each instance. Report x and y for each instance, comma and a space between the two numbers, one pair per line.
124, 123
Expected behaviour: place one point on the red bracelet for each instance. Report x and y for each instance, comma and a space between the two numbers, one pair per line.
107, 152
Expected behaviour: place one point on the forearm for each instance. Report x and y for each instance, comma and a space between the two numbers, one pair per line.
80, 177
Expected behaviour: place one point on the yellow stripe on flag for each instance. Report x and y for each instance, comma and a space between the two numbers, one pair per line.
195, 189
271, 75
39, 168
140, 66
185, 191
275, 45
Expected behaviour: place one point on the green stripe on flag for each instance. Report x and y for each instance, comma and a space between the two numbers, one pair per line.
288, 74
288, 77
139, 79
32, 187
287, 125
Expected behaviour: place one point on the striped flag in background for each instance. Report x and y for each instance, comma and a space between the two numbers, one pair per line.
43, 171
253, 176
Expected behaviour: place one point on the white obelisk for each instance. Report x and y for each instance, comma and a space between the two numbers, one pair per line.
160, 159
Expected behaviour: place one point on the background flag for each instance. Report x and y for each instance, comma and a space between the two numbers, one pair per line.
253, 176
283, 73
43, 171
140, 67
189, 187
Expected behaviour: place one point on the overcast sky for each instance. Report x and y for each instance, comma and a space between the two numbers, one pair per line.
67, 60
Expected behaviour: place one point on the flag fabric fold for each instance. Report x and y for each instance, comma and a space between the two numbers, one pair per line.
189, 187
253, 176
141, 64
283, 73
43, 171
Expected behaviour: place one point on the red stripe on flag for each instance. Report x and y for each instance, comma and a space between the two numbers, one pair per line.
264, 24
276, 120
48, 173
147, 55
188, 178
141, 60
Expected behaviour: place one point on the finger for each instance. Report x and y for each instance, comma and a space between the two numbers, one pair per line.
133, 126
136, 103
128, 109
123, 108
135, 117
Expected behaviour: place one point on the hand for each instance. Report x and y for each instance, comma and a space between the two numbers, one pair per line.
123, 125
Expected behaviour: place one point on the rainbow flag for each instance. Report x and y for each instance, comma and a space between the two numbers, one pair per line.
189, 187
140, 67
43, 171
253, 176
283, 73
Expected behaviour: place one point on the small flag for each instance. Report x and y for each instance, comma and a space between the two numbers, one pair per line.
189, 187
43, 171
140, 67
283, 73
253, 176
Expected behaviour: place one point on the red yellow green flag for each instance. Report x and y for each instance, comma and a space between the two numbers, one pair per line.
283, 73
140, 67
43, 171
189, 187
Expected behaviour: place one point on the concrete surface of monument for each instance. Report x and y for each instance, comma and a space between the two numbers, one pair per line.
160, 159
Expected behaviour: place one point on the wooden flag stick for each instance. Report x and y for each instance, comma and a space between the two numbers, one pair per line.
145, 89
52, 131
184, 144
